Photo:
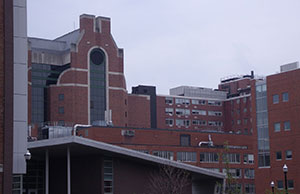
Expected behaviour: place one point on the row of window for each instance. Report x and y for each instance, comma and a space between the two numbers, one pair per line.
290, 184
238, 111
239, 100
286, 126
237, 173
187, 123
249, 188
285, 97
210, 157
181, 111
239, 121
205, 157
288, 155
169, 100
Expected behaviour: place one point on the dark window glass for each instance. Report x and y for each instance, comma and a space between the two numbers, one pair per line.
61, 110
97, 57
280, 184
185, 140
278, 155
61, 123
290, 184
97, 86
61, 97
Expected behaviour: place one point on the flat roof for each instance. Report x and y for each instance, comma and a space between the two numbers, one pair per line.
64, 141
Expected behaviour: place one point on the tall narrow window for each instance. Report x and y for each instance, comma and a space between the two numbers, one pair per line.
108, 175
61, 97
97, 85
275, 99
287, 126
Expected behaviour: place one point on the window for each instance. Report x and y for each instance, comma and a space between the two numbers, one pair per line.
290, 184
143, 151
108, 175
238, 121
199, 122
237, 101
278, 155
169, 121
234, 172
275, 99
61, 97
182, 122
245, 99
249, 173
186, 156
234, 187
182, 101
249, 188
245, 110
168, 100
288, 154
61, 123
169, 111
61, 110
285, 97
201, 102
181, 111
214, 103
215, 123
248, 158
164, 154
209, 157
287, 126
245, 121
185, 140
214, 113
17, 184
280, 184
231, 158
276, 127
214, 169
238, 111
199, 112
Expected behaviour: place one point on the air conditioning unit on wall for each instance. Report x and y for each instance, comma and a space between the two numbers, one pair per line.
128, 133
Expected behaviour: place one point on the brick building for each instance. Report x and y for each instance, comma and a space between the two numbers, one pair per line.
249, 122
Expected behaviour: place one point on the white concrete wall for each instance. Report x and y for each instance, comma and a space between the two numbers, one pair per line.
20, 86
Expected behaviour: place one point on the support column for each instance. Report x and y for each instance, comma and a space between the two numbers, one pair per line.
69, 170
47, 172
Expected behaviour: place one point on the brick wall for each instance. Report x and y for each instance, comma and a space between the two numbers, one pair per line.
139, 111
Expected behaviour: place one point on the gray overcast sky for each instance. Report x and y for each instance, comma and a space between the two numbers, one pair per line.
168, 43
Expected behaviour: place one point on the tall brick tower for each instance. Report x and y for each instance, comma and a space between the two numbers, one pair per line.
78, 77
